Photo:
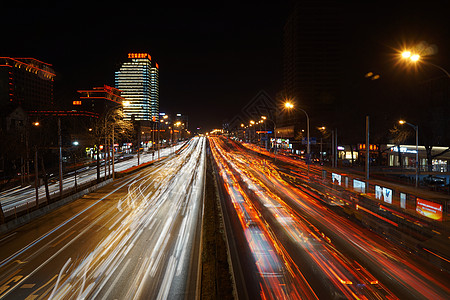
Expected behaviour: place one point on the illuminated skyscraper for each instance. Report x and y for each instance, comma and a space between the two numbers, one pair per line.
154, 92
139, 82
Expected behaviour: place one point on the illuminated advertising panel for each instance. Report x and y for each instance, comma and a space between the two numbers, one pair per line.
387, 195
402, 200
383, 193
359, 186
378, 192
429, 209
336, 178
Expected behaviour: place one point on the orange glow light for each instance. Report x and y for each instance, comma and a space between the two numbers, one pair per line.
139, 55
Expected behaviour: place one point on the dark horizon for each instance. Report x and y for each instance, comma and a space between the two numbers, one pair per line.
213, 60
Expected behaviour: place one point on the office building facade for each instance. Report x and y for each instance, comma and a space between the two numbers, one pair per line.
26, 82
154, 92
138, 80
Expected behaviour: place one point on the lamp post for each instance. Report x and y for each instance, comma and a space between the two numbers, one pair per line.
415, 57
252, 124
274, 132
289, 105
60, 159
416, 128
322, 130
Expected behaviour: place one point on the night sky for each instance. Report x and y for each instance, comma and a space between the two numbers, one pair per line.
213, 58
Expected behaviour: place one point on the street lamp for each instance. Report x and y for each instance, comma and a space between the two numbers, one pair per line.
289, 105
415, 57
416, 128
322, 130
264, 118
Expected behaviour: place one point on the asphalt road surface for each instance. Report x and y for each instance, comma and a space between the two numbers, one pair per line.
137, 238
292, 246
19, 197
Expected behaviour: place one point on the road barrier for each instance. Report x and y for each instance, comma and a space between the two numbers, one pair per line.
18, 216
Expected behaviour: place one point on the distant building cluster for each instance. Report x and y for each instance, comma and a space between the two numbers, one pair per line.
33, 123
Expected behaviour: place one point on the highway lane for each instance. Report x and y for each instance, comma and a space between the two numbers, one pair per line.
19, 196
342, 259
137, 238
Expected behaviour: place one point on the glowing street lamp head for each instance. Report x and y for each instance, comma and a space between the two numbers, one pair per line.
411, 56
415, 57
406, 54
402, 122
263, 117
36, 123
288, 105
252, 122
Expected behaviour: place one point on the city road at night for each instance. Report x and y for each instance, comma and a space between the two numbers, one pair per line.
137, 238
299, 248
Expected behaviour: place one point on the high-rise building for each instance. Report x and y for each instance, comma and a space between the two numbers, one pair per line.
138, 80
154, 92
312, 57
27, 82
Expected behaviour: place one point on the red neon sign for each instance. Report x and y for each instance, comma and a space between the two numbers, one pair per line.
139, 55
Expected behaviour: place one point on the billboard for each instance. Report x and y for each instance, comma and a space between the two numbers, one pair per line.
359, 186
429, 209
383, 193
336, 178
402, 200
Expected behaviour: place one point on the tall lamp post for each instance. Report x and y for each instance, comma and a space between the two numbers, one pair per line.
416, 128
289, 105
264, 118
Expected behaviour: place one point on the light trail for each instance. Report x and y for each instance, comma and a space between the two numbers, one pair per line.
18, 199
140, 247
291, 209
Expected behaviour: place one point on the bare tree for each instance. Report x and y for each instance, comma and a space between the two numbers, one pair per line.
103, 128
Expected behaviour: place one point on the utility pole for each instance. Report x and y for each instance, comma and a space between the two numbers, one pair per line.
332, 148
336, 150
367, 154
104, 149
159, 146
138, 143
113, 148
60, 158
36, 174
